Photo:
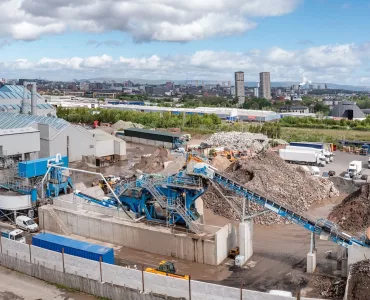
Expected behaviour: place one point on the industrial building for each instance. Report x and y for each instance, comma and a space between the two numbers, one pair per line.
12, 97
239, 87
265, 85
222, 112
11, 150
348, 110
107, 147
152, 137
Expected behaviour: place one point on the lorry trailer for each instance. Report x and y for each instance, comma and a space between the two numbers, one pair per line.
73, 247
302, 157
328, 155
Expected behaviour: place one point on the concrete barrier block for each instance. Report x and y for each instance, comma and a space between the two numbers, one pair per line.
166, 285
49, 259
15, 249
122, 276
82, 267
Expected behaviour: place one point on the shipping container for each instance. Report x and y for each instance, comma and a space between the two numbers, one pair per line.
37, 167
73, 247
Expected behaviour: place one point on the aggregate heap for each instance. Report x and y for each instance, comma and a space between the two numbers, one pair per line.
359, 281
268, 175
238, 140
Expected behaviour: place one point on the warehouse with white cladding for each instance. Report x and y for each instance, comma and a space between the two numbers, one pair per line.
56, 135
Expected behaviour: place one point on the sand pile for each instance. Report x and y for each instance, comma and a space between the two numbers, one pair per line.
353, 214
155, 162
121, 125
359, 282
271, 177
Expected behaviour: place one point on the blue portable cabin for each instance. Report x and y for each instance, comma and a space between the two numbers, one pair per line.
85, 250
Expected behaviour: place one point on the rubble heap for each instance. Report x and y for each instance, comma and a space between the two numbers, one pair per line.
268, 175
353, 214
330, 288
155, 162
359, 281
237, 140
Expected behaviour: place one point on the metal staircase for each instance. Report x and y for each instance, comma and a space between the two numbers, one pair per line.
169, 203
59, 221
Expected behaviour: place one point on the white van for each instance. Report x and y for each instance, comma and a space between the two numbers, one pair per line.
26, 224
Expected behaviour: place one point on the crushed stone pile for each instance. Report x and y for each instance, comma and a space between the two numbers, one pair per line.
268, 175
353, 214
155, 162
238, 140
359, 281
125, 125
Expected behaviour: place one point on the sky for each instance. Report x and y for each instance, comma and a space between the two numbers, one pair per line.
323, 41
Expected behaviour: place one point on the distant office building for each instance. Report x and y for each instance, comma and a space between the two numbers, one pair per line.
239, 87
310, 87
84, 86
256, 92
149, 90
265, 85
169, 85
319, 87
128, 83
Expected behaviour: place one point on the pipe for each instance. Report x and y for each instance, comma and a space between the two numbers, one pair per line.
25, 107
95, 173
34, 100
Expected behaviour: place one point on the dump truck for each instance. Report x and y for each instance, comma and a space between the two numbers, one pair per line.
167, 268
14, 235
354, 168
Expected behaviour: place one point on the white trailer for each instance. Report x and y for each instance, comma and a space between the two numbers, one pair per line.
354, 168
328, 155
302, 157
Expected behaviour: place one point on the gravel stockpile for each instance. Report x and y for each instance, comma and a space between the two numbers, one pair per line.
155, 162
359, 282
237, 140
353, 214
271, 177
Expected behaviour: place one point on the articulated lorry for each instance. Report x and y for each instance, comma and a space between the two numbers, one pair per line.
303, 157
328, 147
354, 168
327, 154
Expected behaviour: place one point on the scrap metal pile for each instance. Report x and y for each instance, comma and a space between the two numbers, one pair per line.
359, 281
271, 177
238, 140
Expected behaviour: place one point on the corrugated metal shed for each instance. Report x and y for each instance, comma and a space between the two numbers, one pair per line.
14, 92
14, 120
17, 107
152, 134
73, 247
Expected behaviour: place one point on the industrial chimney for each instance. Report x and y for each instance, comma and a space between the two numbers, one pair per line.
25, 109
299, 91
34, 100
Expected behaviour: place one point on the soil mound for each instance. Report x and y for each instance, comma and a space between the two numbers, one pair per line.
343, 185
353, 214
359, 282
269, 175
155, 162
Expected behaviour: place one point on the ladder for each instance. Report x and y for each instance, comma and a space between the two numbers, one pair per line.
59, 221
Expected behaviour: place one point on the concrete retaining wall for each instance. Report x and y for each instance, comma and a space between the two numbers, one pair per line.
115, 282
137, 236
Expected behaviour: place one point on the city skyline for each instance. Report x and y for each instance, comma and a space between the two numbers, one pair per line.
324, 41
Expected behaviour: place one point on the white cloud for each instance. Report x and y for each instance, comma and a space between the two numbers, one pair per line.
326, 63
161, 20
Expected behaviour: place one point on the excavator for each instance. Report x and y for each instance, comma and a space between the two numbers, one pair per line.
167, 268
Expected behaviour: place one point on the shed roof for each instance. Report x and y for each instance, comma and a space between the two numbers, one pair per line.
15, 120
14, 92
157, 132
17, 131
